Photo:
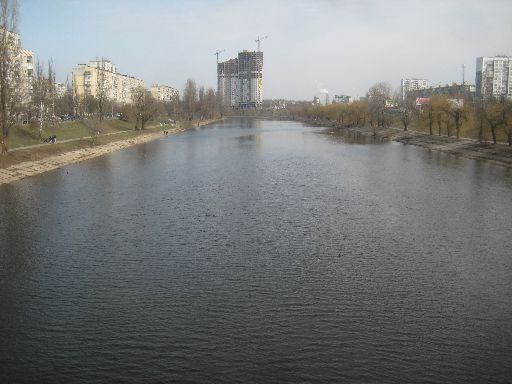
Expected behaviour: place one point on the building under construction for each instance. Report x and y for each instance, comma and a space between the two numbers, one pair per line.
240, 81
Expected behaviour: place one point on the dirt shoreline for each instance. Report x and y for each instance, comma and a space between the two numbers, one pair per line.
500, 154
31, 168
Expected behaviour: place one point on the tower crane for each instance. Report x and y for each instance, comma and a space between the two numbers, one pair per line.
259, 39
217, 54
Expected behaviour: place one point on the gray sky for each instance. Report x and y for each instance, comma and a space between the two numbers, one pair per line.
344, 46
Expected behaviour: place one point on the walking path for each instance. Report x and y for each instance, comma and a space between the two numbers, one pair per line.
63, 141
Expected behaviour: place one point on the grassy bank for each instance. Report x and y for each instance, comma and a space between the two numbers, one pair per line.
28, 134
75, 135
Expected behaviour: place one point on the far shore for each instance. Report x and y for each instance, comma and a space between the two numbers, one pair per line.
499, 154
52, 156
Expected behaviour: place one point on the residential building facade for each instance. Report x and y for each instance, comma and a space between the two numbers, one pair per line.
27, 73
227, 83
454, 90
164, 93
494, 77
22, 67
89, 79
412, 85
60, 90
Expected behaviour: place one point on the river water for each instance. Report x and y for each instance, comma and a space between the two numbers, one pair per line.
257, 251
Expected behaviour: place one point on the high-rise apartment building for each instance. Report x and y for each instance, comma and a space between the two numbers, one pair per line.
89, 78
240, 80
494, 77
227, 83
411, 85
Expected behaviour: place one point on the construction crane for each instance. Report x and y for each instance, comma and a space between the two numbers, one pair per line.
217, 54
259, 39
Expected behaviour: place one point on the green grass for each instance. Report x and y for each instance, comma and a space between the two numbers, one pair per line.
28, 134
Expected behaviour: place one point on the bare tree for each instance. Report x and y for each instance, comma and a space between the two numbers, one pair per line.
78, 100
378, 96
146, 107
201, 103
493, 114
190, 99
210, 104
429, 116
459, 113
64, 105
507, 120
173, 108
480, 117
43, 95
406, 110
39, 90
101, 92
52, 94
11, 83
438, 106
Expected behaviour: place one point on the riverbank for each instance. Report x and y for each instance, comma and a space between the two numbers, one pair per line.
51, 156
500, 154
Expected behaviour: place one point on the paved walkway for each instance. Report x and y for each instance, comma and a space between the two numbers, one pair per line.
31, 168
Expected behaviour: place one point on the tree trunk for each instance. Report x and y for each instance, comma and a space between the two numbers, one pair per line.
493, 131
481, 131
4, 145
430, 127
41, 121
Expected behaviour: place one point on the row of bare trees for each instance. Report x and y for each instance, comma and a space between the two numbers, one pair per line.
196, 104
20, 98
475, 118
199, 103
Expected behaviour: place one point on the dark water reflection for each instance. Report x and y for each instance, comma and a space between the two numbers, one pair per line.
352, 137
258, 251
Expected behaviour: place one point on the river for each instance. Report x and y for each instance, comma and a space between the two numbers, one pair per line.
253, 251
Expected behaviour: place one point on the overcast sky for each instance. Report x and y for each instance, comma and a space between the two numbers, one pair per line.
344, 46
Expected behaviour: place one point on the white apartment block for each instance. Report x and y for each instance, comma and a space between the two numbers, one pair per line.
22, 65
494, 77
164, 93
60, 90
409, 85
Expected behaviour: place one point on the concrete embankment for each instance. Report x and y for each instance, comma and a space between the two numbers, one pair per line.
500, 154
31, 168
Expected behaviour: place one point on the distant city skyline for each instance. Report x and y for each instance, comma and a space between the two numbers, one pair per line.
341, 46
